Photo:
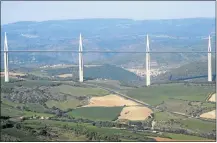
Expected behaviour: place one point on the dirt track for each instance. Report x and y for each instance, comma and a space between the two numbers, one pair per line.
135, 113
110, 101
209, 115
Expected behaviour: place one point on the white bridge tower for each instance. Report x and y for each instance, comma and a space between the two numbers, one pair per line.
148, 78
6, 59
209, 61
81, 78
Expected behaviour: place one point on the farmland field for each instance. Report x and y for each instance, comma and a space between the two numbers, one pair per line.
198, 125
165, 116
64, 105
97, 113
155, 95
78, 91
165, 119
181, 137
184, 107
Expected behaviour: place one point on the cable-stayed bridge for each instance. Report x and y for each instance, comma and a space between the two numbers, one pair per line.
81, 63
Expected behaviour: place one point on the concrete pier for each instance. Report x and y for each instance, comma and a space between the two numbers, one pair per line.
6, 59
81, 76
148, 78
209, 61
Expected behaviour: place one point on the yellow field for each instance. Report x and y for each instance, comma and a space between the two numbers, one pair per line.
65, 75
135, 113
111, 100
212, 98
209, 115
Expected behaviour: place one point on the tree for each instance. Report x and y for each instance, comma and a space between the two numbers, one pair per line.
43, 132
93, 123
59, 113
18, 126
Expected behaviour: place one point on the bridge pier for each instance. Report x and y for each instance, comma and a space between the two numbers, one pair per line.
81, 78
209, 61
6, 73
148, 79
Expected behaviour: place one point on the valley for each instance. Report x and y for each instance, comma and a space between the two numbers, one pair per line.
57, 107
45, 100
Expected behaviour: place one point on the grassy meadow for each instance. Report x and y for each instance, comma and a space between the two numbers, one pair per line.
79, 91
155, 95
97, 113
64, 105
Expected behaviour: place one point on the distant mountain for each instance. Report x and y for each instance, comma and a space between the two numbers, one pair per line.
110, 34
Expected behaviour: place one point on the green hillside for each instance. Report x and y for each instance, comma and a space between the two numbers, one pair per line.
109, 72
197, 68
105, 71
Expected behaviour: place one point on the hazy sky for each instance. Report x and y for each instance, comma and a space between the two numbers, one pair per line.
138, 10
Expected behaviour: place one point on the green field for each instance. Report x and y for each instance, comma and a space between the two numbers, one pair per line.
64, 105
209, 105
111, 84
79, 91
181, 106
181, 137
155, 95
165, 116
198, 125
179, 121
36, 107
97, 113
21, 135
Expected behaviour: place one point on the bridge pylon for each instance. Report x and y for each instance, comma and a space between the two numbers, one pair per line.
6, 73
148, 76
81, 78
209, 60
